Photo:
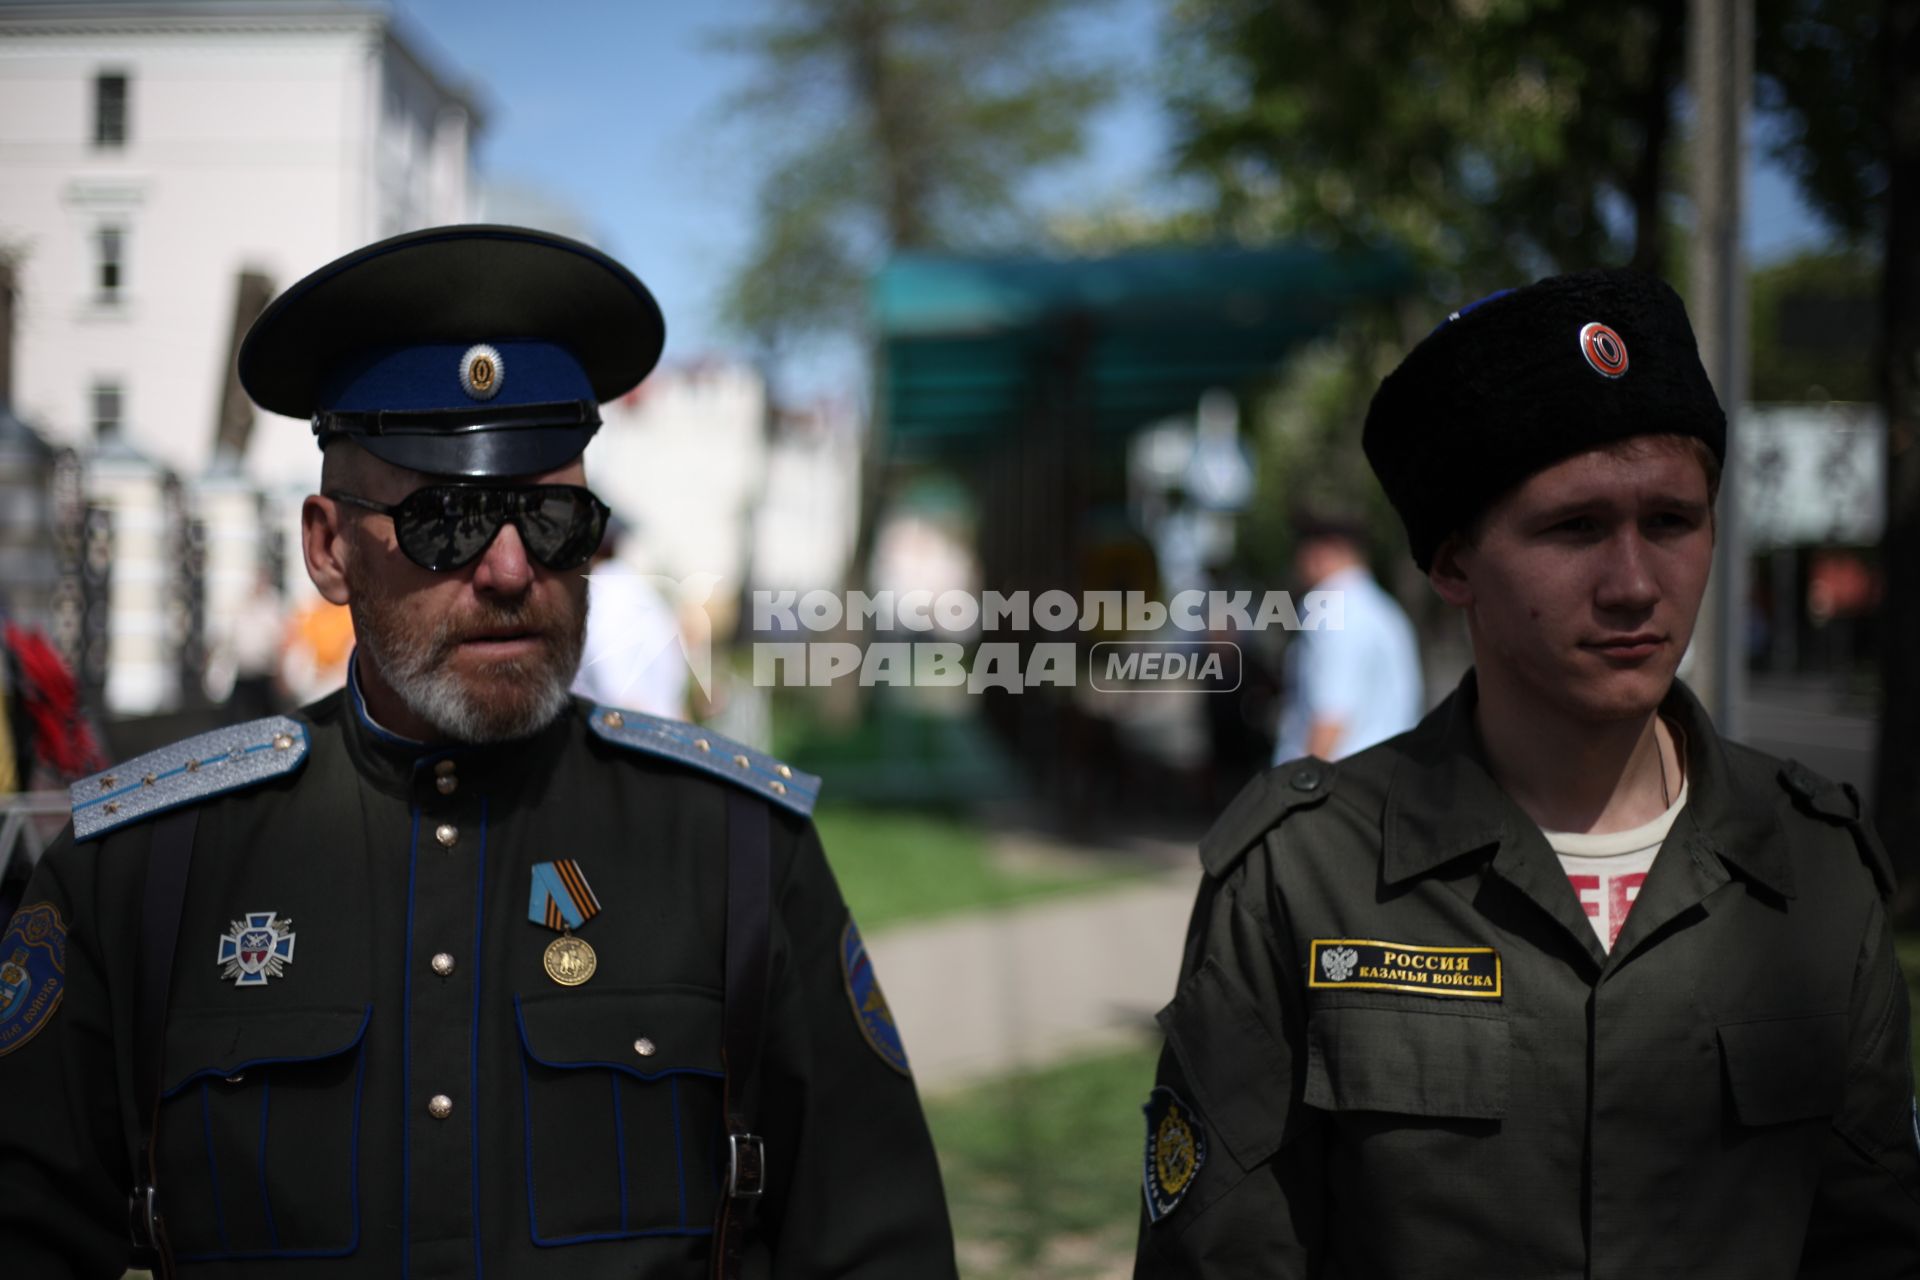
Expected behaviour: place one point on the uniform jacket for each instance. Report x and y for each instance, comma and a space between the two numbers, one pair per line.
1397, 1049
584, 1137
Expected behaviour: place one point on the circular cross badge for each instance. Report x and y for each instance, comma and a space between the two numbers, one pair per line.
1603, 349
482, 372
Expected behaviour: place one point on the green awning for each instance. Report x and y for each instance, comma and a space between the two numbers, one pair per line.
974, 346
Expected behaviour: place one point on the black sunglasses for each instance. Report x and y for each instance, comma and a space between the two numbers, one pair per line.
444, 526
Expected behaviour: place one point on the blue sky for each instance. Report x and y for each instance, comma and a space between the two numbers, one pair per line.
617, 112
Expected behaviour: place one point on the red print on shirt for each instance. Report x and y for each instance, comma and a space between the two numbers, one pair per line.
1617, 895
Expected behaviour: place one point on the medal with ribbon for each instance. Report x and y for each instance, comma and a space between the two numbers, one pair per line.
563, 901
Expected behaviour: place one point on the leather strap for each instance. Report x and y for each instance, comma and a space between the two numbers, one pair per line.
168, 864
749, 914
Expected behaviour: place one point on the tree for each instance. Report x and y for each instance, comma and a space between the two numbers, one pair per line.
1496, 139
914, 125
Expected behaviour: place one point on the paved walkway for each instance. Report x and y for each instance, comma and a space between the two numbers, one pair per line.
984, 993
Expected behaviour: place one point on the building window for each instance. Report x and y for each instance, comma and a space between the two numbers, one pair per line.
110, 109
110, 263
106, 410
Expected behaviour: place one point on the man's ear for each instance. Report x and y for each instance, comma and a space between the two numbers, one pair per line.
1448, 573
323, 541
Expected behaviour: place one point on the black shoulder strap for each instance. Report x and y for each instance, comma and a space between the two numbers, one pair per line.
749, 914
166, 896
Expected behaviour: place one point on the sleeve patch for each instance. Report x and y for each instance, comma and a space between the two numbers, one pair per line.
33, 973
1176, 1151
870, 1008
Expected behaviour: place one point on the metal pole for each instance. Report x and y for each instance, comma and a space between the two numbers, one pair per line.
1720, 70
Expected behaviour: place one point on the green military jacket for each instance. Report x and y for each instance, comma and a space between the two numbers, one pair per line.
1397, 1049
393, 1081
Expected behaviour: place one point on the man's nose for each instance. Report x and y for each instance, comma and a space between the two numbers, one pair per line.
504, 567
1627, 582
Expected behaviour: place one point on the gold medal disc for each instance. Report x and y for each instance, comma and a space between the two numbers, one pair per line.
570, 961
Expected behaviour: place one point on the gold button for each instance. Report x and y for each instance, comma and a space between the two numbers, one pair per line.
703, 744
784, 771
644, 1047
446, 784
742, 761
613, 719
443, 767
282, 742
443, 964
439, 1106
779, 788
446, 833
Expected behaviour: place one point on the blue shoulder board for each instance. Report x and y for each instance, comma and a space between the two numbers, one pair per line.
186, 773
709, 752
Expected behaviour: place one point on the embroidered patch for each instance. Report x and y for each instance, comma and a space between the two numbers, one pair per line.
869, 1004
33, 973
1176, 1150
255, 949
1361, 964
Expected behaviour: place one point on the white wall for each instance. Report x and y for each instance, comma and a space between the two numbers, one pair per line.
257, 143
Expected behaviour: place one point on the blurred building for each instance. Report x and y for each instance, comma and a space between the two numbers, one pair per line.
166, 168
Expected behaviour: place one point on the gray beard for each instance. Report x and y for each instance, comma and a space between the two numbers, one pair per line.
418, 674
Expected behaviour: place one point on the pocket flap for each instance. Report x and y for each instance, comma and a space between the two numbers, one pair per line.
227, 1044
1781, 1069
1414, 1062
1241, 1075
644, 1033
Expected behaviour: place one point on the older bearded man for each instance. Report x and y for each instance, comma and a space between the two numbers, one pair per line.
672, 1061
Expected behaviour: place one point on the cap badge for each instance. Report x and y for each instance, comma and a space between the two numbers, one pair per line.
1603, 349
481, 372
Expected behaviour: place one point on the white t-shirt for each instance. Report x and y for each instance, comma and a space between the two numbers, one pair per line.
1606, 871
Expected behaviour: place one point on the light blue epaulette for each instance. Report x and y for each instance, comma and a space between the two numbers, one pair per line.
710, 753
187, 772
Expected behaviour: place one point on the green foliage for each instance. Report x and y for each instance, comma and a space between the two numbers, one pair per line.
1814, 321
910, 124
896, 865
1496, 139
1043, 1168
1820, 80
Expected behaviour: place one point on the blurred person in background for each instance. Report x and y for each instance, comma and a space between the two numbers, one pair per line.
450, 973
1560, 983
634, 656
1350, 686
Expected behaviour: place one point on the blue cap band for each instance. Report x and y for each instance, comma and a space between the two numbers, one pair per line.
428, 377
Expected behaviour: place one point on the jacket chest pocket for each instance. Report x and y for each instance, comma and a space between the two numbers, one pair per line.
258, 1136
1785, 1069
622, 1094
1408, 1060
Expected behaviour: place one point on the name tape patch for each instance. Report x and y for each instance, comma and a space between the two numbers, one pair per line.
1362, 964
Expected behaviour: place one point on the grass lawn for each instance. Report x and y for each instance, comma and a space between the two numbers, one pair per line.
1043, 1168
901, 864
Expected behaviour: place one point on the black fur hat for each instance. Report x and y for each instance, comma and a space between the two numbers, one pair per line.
1525, 378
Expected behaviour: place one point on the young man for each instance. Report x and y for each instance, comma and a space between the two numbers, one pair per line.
449, 974
1560, 983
